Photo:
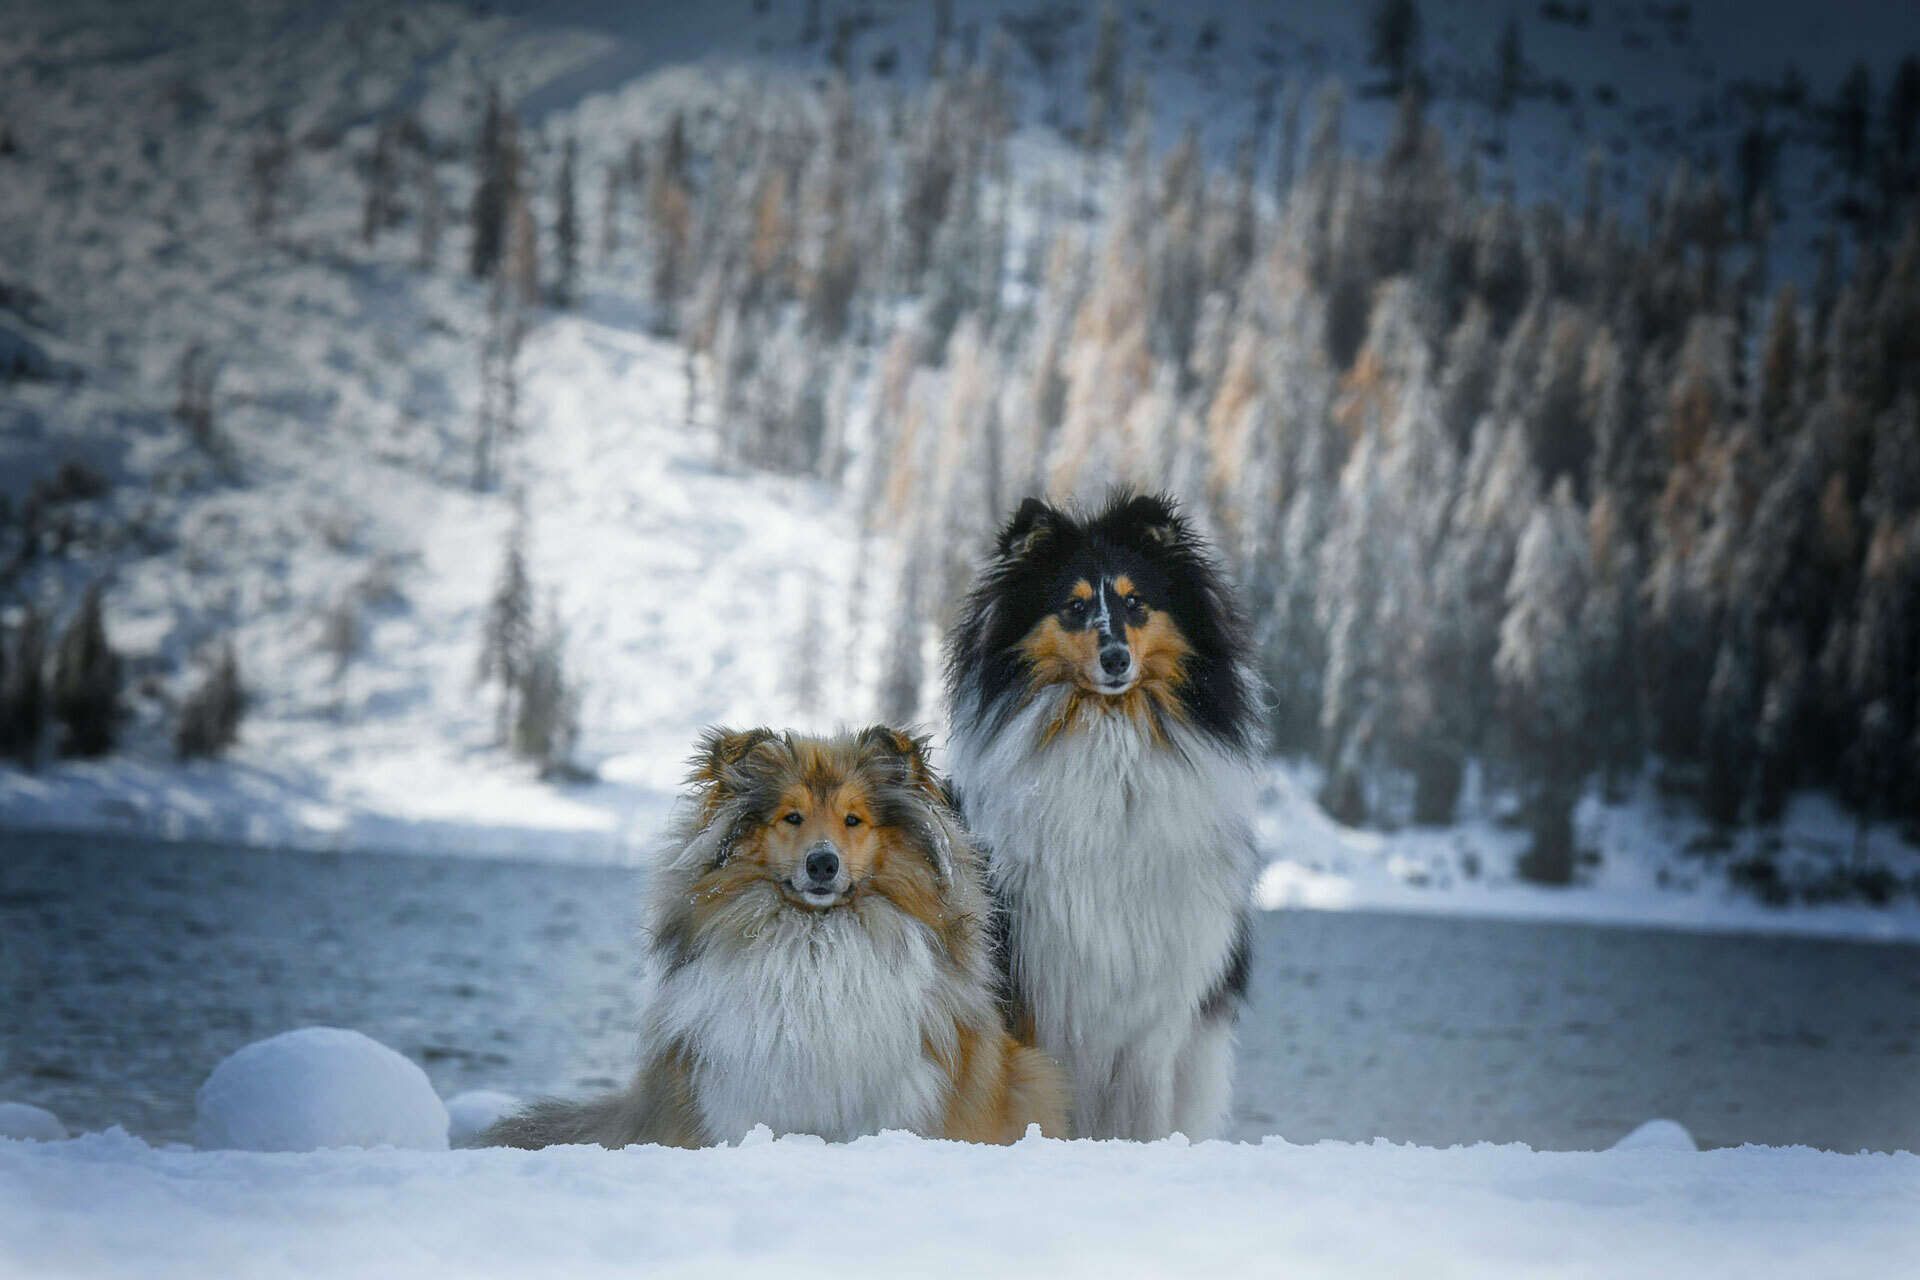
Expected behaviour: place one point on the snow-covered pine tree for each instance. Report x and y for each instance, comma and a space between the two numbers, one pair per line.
194, 381
210, 717
546, 721
499, 417
507, 632
1543, 685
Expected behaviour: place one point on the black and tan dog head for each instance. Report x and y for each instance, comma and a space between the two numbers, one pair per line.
1123, 608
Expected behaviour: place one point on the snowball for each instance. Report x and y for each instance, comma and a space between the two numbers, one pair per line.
30, 1123
471, 1113
318, 1087
1658, 1135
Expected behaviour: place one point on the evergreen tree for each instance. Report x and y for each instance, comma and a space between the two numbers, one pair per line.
610, 190
1509, 77
1900, 159
670, 223
522, 268
1542, 683
546, 723
23, 691
507, 639
1393, 48
499, 416
1731, 741
86, 681
1777, 404
903, 670
566, 231
1105, 76
210, 717
379, 206
1850, 124
495, 193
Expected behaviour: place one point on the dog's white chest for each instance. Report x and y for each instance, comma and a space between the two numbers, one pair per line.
817, 1032
1125, 864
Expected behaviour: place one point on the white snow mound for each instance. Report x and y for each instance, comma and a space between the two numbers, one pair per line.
1658, 1135
318, 1087
29, 1123
472, 1112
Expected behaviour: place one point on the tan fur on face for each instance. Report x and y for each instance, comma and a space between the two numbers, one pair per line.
1058, 656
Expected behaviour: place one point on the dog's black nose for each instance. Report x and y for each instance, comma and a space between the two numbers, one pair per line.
822, 866
1115, 661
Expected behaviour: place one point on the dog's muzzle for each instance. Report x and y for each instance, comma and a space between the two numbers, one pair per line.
1116, 665
821, 878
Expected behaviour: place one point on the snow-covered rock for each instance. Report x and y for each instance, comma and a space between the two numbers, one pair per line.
29, 1123
1658, 1135
318, 1087
469, 1113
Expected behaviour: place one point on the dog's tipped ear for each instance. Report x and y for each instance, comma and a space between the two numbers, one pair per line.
1154, 518
720, 750
910, 752
1030, 526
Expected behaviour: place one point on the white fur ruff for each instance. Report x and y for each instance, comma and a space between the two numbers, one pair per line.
811, 1024
1125, 864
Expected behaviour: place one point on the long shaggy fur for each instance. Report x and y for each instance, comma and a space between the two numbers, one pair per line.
875, 1013
1118, 823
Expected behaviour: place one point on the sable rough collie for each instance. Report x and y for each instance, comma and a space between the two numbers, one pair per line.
818, 920
1104, 744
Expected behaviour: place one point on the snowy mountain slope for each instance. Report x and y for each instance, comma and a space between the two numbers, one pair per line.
348, 390
346, 395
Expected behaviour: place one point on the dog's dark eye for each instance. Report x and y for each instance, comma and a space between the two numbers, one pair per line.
1076, 607
853, 819
1136, 605
793, 819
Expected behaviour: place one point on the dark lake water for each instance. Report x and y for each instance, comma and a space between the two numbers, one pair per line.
127, 970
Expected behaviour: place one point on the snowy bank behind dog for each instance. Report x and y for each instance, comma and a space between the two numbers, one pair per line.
108, 1205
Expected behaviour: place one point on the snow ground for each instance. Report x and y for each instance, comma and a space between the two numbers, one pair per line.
108, 1205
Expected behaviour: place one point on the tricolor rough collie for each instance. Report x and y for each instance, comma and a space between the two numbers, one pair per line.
1103, 726
818, 921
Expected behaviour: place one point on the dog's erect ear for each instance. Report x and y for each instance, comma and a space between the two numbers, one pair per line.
910, 754
933, 827
1153, 517
1030, 526
722, 749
